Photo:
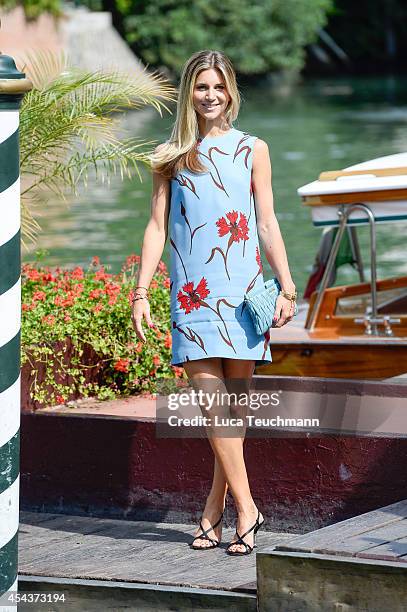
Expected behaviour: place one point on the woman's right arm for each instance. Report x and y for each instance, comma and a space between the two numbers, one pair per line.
154, 240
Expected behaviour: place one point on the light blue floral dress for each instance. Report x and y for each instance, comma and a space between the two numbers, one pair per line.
215, 257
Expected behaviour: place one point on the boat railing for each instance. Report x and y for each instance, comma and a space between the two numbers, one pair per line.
372, 320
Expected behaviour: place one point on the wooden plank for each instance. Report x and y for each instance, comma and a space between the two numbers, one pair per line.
323, 539
388, 551
57, 529
136, 551
369, 540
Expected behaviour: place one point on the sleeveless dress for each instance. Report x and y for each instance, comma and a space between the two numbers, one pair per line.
214, 255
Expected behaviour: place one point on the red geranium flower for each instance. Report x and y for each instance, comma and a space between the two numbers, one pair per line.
132, 259
95, 293
33, 274
39, 296
122, 365
191, 299
162, 267
238, 230
50, 319
47, 277
112, 289
101, 274
65, 300
77, 272
77, 289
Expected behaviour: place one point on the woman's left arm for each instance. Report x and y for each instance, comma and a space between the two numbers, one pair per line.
269, 229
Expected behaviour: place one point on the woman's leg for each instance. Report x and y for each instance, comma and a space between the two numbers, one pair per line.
210, 368
208, 374
219, 484
238, 374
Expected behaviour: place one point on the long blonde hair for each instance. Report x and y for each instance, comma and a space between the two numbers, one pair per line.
180, 151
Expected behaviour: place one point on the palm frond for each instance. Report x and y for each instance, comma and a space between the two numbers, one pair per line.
69, 125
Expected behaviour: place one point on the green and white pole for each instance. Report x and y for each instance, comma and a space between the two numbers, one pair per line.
13, 85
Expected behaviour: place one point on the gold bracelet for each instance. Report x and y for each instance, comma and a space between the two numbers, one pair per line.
289, 296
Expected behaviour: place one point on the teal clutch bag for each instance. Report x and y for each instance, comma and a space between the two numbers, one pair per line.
262, 305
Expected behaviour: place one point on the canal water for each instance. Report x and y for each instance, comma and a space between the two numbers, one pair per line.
314, 126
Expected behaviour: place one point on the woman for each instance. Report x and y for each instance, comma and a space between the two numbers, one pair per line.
216, 181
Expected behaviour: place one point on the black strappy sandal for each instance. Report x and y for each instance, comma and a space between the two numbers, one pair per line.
240, 540
204, 536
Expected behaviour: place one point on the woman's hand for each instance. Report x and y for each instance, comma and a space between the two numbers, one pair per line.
140, 309
284, 311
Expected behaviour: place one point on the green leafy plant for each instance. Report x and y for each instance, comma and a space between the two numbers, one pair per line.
78, 339
259, 37
70, 125
34, 8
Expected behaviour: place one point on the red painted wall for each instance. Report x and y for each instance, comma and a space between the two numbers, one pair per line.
117, 467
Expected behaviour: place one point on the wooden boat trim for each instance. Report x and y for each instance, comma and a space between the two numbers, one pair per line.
332, 175
334, 199
342, 324
383, 284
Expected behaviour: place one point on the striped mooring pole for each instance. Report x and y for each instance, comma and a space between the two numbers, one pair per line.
13, 85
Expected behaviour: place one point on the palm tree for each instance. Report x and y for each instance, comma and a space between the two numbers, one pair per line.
69, 124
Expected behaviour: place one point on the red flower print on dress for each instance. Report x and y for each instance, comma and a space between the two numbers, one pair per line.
238, 230
191, 298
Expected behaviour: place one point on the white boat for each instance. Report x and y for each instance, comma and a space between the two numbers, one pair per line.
380, 183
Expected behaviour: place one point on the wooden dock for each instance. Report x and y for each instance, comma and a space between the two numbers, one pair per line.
111, 564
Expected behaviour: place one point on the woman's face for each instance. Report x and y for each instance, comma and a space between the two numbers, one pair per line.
210, 96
